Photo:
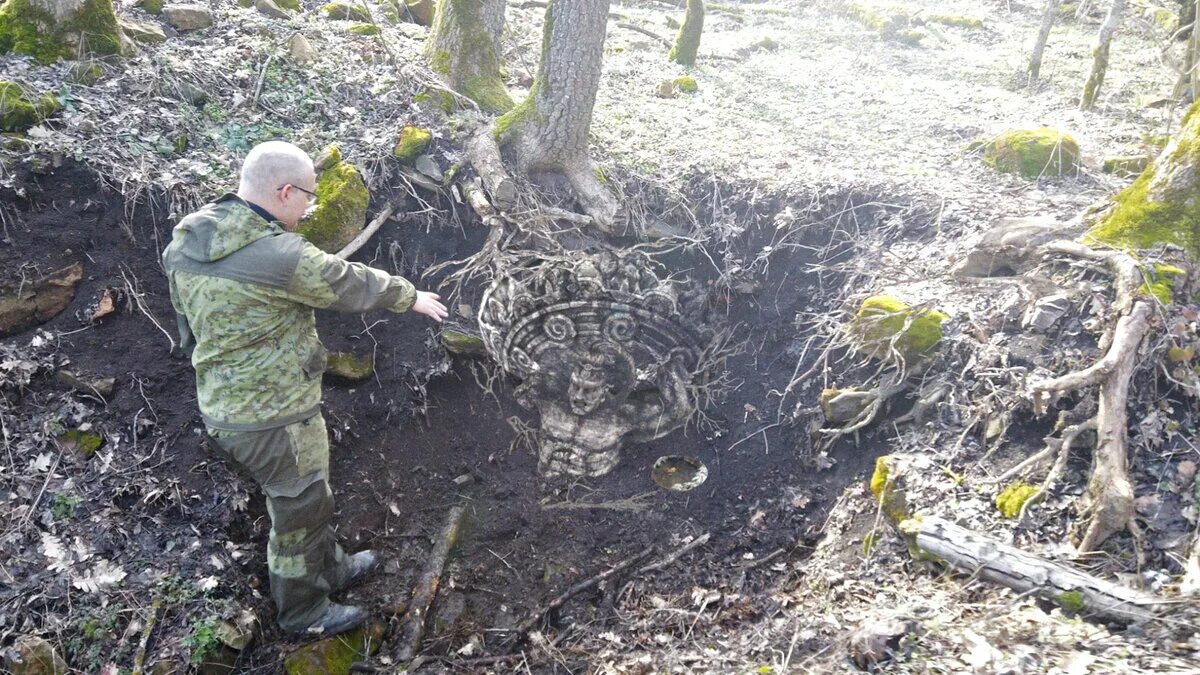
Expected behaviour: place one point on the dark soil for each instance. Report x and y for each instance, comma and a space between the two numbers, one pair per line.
400, 439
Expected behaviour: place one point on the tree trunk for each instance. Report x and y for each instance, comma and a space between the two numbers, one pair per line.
688, 40
49, 30
1035, 61
1091, 89
464, 49
548, 131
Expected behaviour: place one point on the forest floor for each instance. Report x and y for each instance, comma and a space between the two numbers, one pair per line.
814, 171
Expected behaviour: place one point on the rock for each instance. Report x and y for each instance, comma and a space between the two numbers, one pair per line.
1126, 166
269, 8
842, 405
363, 29
168, 668
1044, 313
462, 344
347, 367
880, 640
75, 30
39, 301
328, 158
413, 143
85, 442
99, 387
238, 634
19, 111
420, 11
767, 44
335, 655
143, 31
1033, 153
344, 11
1006, 248
666, 89
686, 84
884, 324
151, 6
465, 479
31, 655
428, 166
188, 17
301, 52
341, 213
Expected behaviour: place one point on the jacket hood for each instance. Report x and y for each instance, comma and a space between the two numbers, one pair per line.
220, 229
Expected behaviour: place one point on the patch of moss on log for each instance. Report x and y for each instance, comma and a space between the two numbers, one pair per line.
1072, 601
884, 323
1033, 153
1160, 207
18, 112
341, 212
1012, 498
413, 143
30, 30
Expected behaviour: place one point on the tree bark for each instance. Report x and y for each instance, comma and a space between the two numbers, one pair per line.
1091, 88
49, 30
548, 131
464, 49
1048, 18
687, 43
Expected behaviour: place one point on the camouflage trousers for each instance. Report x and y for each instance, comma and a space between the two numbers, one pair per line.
291, 465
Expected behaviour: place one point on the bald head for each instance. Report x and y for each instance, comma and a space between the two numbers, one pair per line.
269, 167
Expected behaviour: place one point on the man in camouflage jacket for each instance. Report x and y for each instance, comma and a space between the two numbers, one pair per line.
244, 286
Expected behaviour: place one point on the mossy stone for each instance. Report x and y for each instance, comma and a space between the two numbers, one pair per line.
341, 212
335, 655
86, 443
344, 11
364, 29
347, 367
18, 112
1012, 499
462, 344
413, 143
884, 323
686, 84
28, 29
329, 157
1160, 207
152, 6
1130, 165
1033, 153
293, 5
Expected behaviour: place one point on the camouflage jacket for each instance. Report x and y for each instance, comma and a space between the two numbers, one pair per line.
244, 292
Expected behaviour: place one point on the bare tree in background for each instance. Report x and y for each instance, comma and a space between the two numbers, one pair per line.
687, 42
1048, 18
1091, 88
548, 131
464, 49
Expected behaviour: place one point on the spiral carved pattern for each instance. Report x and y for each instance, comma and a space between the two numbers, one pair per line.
559, 327
620, 327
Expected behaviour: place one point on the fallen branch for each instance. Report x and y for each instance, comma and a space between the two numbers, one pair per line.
368, 232
1191, 578
139, 659
1025, 572
413, 624
649, 33
533, 619
677, 554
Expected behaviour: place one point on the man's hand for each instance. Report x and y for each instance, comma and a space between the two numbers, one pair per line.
430, 305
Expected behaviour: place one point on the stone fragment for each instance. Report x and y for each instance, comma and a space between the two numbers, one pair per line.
463, 344
188, 17
842, 405
83, 441
666, 89
412, 143
879, 640
31, 655
1126, 166
1033, 153
98, 387
300, 50
886, 326
345, 11
686, 84
142, 31
39, 301
85, 73
347, 367
238, 634
335, 655
363, 29
341, 212
420, 11
1044, 313
271, 9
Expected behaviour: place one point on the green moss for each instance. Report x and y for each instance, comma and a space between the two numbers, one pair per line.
329, 157
525, 112
18, 112
687, 40
462, 344
489, 92
892, 501
350, 367
1162, 282
440, 63
155, 6
686, 84
27, 29
343, 11
1012, 498
341, 212
364, 29
1130, 165
85, 73
84, 442
1033, 153
475, 66
336, 654
1072, 601
293, 5
911, 37
413, 143
956, 21
884, 323
1181, 354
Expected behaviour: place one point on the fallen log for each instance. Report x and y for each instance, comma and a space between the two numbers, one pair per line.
1024, 572
484, 154
413, 624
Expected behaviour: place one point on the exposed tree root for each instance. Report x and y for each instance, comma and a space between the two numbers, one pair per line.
1108, 504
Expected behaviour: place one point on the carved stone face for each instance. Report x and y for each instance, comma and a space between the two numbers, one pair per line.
594, 342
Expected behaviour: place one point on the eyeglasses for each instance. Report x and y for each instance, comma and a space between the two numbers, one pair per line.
312, 196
